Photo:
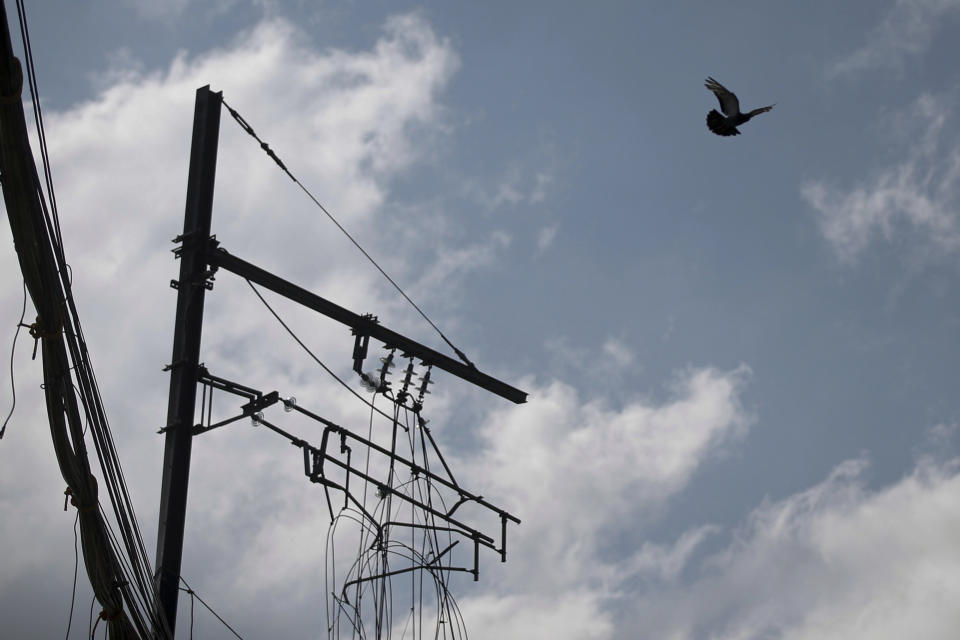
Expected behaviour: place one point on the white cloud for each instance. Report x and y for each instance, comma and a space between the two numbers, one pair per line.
618, 352
168, 11
541, 188
449, 266
667, 562
578, 473
906, 30
919, 195
519, 185
546, 237
576, 614
346, 123
835, 561
597, 367
577, 470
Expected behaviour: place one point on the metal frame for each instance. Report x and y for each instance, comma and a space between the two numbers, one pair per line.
200, 258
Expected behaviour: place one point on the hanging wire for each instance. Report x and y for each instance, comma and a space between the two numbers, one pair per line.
266, 148
363, 606
93, 600
116, 562
96, 624
369, 609
76, 566
311, 354
13, 349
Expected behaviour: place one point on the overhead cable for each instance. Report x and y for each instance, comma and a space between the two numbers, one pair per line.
116, 561
270, 152
312, 355
194, 594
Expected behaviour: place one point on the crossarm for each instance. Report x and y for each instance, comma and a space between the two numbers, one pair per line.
362, 325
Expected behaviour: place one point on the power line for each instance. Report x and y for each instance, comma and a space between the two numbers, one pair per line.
118, 569
194, 594
365, 601
312, 355
38, 116
266, 148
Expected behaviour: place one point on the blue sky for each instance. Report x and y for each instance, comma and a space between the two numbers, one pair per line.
740, 352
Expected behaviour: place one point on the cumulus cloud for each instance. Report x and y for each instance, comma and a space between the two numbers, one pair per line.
579, 470
667, 562
915, 199
906, 31
834, 561
575, 614
580, 473
347, 123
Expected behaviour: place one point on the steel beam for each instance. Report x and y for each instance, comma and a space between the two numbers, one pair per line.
362, 325
184, 365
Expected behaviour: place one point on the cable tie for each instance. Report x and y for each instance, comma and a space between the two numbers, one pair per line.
37, 333
110, 618
72, 497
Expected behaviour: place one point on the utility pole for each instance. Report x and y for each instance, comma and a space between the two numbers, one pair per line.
184, 365
200, 256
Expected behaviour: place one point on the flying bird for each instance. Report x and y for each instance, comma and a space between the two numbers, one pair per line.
727, 123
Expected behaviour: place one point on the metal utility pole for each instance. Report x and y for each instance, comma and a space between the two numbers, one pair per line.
184, 365
200, 256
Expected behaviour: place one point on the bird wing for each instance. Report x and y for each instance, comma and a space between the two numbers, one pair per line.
728, 101
757, 112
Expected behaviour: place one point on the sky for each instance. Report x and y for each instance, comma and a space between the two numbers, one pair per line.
740, 353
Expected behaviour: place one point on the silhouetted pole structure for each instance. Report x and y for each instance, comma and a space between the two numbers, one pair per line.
184, 365
200, 256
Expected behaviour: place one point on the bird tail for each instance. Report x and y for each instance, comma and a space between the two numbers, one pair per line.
720, 125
